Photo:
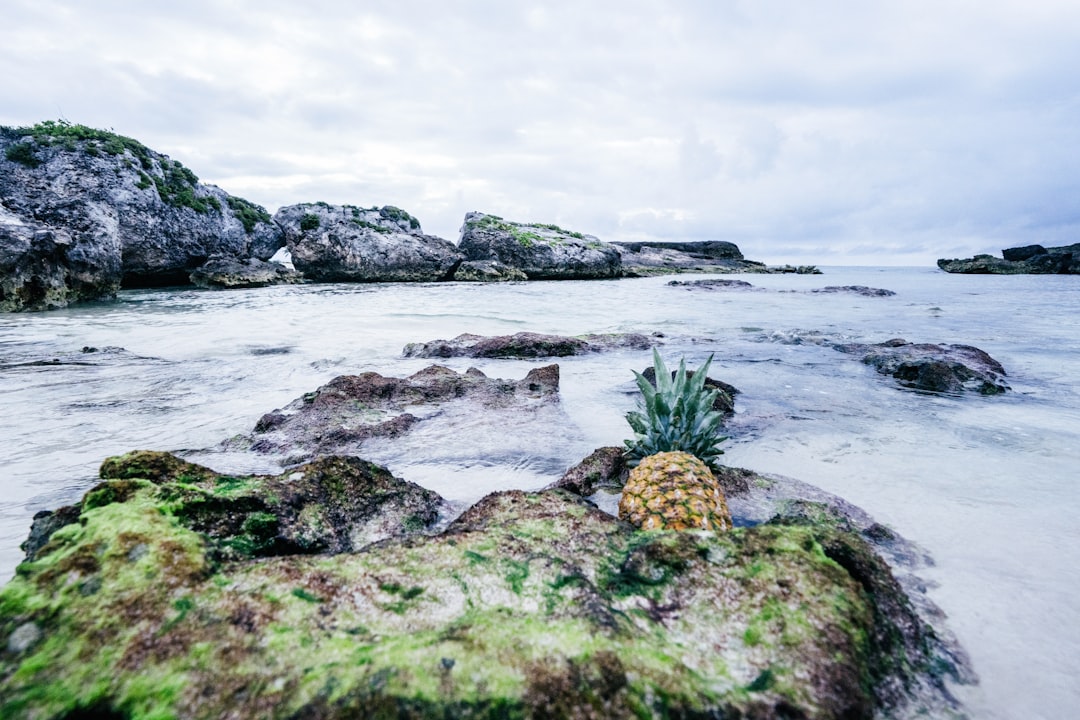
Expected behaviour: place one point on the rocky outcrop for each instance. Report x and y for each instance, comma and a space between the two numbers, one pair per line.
342, 416
182, 592
542, 252
228, 272
933, 368
525, 345
1026, 260
642, 259
84, 212
345, 243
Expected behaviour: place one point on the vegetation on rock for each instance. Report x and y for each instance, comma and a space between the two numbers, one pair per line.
676, 415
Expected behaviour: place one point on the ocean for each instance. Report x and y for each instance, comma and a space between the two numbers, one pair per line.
989, 487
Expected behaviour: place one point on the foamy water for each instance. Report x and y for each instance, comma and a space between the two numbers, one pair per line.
988, 486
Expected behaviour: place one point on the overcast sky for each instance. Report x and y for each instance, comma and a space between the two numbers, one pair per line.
826, 132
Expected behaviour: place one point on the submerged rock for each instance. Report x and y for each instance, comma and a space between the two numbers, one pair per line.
711, 284
345, 243
525, 345
87, 211
855, 290
934, 368
542, 252
528, 605
1026, 260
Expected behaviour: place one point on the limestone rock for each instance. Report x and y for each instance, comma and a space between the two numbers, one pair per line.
542, 252
84, 212
487, 271
345, 243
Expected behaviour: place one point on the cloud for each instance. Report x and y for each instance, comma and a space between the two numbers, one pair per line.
790, 128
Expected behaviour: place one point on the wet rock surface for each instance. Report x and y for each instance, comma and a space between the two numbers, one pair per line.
342, 416
227, 272
855, 290
933, 368
527, 605
345, 243
714, 284
542, 252
526, 345
1026, 260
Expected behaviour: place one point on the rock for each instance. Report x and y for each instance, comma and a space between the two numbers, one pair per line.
711, 284
725, 394
641, 259
344, 243
528, 605
525, 345
604, 468
791, 270
856, 290
228, 272
542, 252
84, 212
934, 368
1029, 259
342, 416
487, 271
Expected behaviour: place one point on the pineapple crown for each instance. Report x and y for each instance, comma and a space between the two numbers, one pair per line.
676, 414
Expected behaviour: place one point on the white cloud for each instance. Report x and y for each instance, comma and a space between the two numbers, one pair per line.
793, 129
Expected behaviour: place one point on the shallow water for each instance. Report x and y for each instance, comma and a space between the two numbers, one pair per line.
988, 486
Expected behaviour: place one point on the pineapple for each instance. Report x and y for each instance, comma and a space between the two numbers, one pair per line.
674, 491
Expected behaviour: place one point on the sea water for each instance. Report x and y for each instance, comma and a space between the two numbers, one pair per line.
988, 486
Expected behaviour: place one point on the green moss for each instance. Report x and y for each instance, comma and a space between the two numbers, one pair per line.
398, 215
23, 153
371, 226
309, 222
248, 213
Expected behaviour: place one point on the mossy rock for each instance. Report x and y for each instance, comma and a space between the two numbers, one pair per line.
528, 605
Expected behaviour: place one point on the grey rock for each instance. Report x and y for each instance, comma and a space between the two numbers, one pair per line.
85, 212
487, 271
1026, 260
641, 259
345, 243
23, 638
230, 272
934, 368
711, 284
855, 290
542, 252
525, 345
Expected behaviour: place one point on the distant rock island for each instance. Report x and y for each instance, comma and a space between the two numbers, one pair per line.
1026, 260
86, 212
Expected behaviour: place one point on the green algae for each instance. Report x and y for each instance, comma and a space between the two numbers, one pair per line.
529, 605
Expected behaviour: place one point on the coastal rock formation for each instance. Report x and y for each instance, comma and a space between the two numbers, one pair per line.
229, 272
345, 243
933, 368
641, 259
525, 345
1029, 259
487, 271
84, 212
182, 592
342, 416
542, 252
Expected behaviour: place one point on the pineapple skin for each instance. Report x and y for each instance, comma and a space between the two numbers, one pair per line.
674, 491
